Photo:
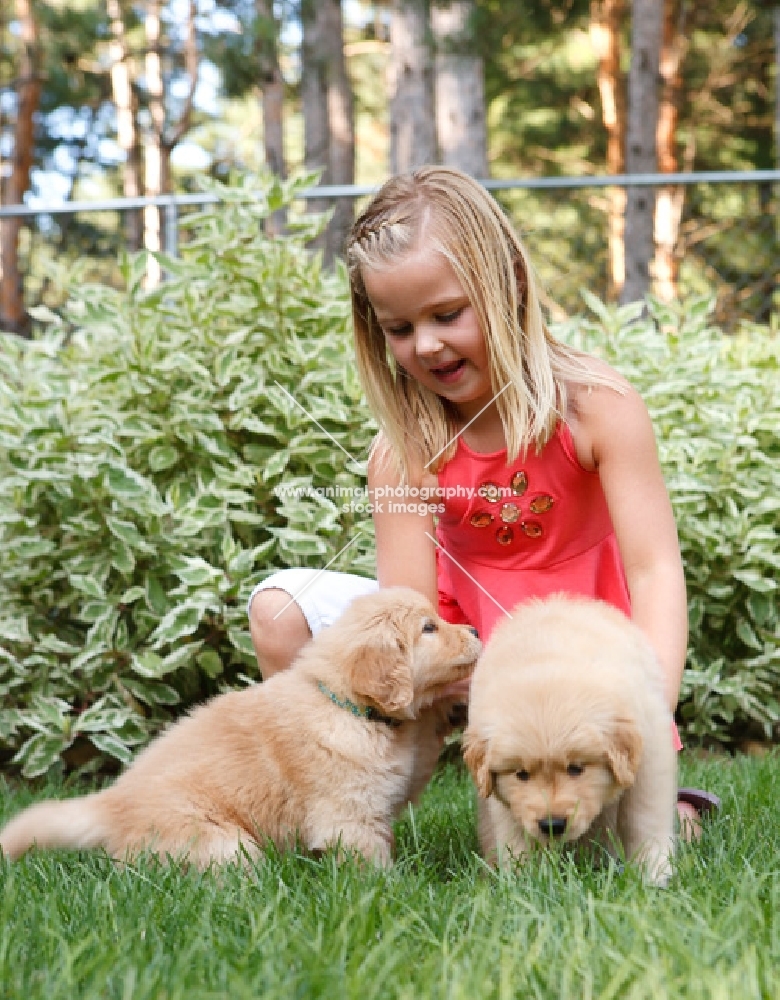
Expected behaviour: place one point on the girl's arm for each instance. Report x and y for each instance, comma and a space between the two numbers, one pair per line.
614, 435
405, 555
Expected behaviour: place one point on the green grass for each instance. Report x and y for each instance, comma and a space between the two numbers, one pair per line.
439, 925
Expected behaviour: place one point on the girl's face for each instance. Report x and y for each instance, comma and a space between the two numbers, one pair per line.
431, 328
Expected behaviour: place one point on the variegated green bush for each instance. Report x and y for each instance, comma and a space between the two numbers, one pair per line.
141, 438
147, 439
715, 404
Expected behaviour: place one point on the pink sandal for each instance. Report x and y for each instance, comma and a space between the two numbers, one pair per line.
703, 802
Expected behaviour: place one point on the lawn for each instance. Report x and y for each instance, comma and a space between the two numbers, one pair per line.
439, 925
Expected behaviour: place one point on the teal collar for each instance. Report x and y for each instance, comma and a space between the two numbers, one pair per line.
368, 712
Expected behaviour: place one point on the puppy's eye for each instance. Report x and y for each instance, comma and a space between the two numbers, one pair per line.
523, 775
574, 770
430, 627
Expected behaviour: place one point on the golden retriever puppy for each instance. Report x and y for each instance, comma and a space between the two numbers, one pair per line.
570, 736
325, 753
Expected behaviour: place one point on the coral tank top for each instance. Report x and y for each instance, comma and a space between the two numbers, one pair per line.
529, 528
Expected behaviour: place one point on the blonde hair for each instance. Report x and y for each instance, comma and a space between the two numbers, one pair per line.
529, 368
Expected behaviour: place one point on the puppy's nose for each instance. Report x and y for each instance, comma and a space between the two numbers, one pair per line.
459, 716
553, 826
473, 631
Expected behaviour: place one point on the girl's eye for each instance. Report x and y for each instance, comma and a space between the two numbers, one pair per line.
574, 770
450, 317
523, 775
398, 331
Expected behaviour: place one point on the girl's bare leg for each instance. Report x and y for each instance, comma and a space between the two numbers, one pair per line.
278, 629
690, 821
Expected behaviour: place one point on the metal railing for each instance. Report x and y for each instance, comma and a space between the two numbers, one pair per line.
728, 239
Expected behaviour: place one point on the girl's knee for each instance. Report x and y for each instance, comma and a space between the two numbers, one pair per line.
278, 629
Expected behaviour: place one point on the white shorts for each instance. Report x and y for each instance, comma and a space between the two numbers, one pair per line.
322, 595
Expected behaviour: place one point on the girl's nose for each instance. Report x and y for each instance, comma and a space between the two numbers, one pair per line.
427, 341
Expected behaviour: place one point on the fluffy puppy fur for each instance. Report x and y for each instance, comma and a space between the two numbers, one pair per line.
325, 753
570, 737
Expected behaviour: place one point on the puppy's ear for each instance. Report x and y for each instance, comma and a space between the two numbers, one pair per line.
475, 755
624, 751
379, 671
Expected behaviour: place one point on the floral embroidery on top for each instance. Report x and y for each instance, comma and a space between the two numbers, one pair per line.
511, 512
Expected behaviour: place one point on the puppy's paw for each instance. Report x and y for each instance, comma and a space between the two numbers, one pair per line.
657, 875
364, 844
656, 865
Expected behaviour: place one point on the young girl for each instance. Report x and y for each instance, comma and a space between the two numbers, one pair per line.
538, 461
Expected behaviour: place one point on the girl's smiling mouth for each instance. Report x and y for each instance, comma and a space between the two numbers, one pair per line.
450, 372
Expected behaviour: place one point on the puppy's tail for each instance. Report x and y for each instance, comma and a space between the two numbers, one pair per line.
74, 823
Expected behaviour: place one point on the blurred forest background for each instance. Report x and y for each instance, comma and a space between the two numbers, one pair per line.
136, 98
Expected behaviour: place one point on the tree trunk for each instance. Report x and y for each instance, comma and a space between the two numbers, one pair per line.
153, 160
13, 316
669, 200
411, 89
314, 99
341, 129
776, 32
162, 140
313, 90
272, 100
272, 88
606, 20
776, 13
459, 88
329, 140
126, 112
641, 157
